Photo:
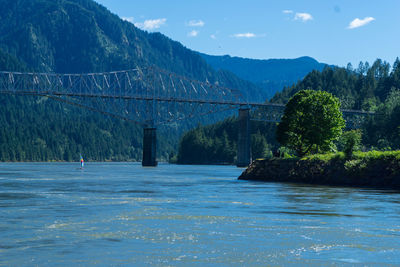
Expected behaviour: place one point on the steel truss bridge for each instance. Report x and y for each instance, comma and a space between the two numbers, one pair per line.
151, 97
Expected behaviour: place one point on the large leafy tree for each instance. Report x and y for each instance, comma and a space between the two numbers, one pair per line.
311, 122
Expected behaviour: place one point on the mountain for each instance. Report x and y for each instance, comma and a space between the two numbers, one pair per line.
81, 36
272, 75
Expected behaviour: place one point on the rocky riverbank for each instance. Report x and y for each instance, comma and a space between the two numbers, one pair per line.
370, 169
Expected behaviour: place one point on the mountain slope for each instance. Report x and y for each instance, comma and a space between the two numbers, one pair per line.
80, 36
38, 129
272, 74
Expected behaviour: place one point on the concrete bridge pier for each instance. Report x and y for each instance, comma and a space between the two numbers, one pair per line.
244, 141
149, 147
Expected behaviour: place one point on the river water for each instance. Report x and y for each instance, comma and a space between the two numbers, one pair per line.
115, 214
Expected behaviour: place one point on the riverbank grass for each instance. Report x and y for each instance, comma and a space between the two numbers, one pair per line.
370, 155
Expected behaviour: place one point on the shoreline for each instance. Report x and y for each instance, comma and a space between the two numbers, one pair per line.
369, 169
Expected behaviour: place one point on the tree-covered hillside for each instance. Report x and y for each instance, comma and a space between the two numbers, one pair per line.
80, 36
373, 88
363, 88
217, 143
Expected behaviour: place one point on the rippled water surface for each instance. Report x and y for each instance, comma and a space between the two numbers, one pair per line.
122, 214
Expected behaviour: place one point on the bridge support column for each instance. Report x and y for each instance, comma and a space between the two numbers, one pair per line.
149, 147
244, 142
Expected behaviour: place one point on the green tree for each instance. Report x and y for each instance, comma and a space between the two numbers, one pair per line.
259, 146
311, 122
350, 141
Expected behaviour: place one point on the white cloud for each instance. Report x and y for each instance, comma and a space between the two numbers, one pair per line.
287, 11
303, 17
129, 19
244, 35
196, 23
151, 24
247, 35
360, 22
193, 33
213, 36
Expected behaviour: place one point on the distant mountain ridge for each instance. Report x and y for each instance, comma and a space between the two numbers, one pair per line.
270, 74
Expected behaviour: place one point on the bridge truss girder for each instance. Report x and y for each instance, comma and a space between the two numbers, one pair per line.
147, 96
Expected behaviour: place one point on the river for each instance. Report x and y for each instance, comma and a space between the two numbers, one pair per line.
120, 214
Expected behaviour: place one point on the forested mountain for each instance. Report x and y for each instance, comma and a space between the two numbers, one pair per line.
39, 129
79, 36
373, 88
272, 74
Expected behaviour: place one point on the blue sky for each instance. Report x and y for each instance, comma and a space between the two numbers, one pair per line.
332, 31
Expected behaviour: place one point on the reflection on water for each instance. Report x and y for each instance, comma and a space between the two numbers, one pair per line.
123, 214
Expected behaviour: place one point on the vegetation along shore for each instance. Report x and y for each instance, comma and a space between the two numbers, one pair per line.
311, 128
377, 169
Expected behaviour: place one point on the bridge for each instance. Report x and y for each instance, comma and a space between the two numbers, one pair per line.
151, 97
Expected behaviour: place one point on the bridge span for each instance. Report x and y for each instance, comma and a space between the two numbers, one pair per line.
150, 97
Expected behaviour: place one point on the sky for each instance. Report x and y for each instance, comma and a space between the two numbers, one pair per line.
331, 31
